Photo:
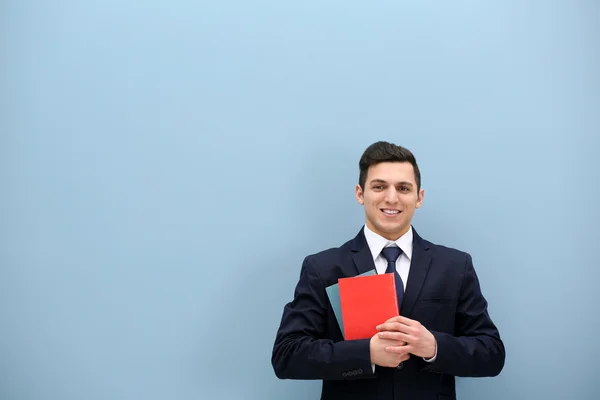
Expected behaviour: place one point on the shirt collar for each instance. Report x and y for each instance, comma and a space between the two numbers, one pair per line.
376, 242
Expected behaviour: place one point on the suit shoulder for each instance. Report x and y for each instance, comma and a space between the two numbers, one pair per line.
329, 264
449, 253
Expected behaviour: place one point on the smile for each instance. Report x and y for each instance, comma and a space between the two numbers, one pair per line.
390, 212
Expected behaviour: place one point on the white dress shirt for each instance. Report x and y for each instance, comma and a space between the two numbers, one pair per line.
377, 243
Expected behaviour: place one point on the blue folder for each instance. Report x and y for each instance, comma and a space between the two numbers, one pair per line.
333, 292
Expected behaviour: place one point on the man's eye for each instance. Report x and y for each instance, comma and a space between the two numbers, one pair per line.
379, 187
404, 189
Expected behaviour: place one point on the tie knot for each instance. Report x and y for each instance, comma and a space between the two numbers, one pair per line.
391, 254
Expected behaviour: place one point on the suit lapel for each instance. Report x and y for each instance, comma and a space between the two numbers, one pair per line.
419, 266
361, 254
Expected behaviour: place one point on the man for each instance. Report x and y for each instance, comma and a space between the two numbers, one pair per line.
443, 329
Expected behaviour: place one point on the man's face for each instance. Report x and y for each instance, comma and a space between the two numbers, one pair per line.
390, 198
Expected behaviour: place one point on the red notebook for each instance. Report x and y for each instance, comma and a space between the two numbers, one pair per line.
367, 301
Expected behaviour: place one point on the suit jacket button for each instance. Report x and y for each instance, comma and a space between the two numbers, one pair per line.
400, 366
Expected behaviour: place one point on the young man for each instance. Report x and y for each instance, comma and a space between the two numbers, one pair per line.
443, 329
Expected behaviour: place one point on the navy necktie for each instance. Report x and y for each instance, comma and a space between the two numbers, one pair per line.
391, 254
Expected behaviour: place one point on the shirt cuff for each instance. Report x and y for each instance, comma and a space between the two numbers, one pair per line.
432, 359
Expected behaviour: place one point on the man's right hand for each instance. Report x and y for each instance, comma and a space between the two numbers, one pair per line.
383, 358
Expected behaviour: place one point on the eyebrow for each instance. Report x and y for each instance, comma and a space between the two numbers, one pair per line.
382, 181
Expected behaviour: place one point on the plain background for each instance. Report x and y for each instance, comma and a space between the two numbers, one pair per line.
166, 166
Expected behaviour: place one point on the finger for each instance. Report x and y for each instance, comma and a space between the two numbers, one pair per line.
403, 320
398, 349
395, 336
388, 326
394, 319
393, 326
396, 327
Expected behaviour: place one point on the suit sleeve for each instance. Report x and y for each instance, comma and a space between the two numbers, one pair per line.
475, 349
301, 350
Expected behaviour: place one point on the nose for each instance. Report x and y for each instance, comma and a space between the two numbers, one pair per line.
391, 196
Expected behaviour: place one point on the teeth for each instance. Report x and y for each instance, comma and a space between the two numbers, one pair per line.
391, 211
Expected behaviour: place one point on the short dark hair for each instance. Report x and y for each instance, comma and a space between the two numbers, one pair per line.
382, 151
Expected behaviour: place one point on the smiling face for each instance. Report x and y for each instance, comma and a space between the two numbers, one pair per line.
390, 197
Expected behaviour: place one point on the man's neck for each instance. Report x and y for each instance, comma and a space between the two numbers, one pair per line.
392, 238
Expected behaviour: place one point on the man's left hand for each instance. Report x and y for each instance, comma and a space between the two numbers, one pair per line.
419, 341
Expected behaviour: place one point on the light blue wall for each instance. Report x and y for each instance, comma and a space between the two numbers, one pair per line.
165, 167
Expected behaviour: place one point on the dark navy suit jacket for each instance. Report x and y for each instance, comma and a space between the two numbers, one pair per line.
442, 293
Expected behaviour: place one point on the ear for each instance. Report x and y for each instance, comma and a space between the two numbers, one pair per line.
420, 198
360, 195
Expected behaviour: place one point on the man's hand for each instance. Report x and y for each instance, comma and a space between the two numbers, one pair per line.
383, 358
419, 341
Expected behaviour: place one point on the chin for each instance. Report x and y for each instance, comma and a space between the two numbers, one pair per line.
395, 230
